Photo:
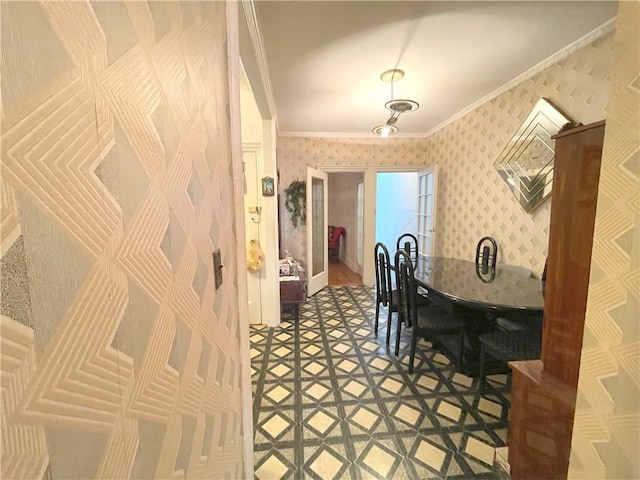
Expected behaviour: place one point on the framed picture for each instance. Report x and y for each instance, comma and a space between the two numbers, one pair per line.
285, 268
267, 187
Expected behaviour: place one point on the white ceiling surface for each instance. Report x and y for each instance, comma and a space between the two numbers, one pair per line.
325, 58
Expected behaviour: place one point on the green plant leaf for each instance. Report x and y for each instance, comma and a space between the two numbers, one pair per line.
296, 202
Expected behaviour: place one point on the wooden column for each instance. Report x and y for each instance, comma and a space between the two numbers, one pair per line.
544, 391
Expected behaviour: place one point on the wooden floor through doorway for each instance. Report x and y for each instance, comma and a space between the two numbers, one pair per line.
340, 275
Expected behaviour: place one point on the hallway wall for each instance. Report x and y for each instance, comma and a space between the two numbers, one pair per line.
606, 431
119, 356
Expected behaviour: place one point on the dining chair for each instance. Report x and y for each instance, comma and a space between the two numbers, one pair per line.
385, 295
523, 343
426, 321
335, 233
409, 243
486, 253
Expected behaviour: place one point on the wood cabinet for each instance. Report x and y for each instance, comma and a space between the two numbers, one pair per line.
293, 293
544, 391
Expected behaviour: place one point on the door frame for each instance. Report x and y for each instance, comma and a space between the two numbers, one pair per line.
370, 186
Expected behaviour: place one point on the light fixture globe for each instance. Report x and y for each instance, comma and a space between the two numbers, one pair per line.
401, 106
385, 131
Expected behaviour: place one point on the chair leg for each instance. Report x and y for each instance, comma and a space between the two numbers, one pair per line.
375, 325
389, 324
398, 331
460, 352
412, 351
481, 375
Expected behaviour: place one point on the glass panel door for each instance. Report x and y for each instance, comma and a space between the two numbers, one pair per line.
427, 189
317, 231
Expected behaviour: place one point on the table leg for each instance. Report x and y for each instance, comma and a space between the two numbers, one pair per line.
476, 322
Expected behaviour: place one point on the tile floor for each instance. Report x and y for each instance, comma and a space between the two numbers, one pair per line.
332, 402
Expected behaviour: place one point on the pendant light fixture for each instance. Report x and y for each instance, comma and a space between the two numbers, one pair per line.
396, 107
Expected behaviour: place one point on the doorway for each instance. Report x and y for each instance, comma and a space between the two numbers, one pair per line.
396, 206
346, 209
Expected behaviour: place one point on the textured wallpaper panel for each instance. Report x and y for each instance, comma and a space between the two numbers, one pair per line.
119, 358
606, 432
473, 201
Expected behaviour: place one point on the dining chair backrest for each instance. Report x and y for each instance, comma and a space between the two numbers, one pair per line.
486, 252
409, 243
405, 284
383, 273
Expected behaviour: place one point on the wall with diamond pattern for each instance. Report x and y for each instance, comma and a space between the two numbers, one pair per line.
606, 432
473, 200
119, 358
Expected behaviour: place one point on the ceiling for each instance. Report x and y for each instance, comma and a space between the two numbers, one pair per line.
324, 59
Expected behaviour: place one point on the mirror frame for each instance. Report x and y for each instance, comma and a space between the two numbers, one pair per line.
526, 162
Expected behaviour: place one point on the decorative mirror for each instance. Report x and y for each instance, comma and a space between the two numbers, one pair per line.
526, 163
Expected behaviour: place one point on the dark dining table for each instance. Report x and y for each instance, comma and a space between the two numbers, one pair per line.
500, 288
480, 295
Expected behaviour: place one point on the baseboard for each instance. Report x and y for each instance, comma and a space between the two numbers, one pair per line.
349, 262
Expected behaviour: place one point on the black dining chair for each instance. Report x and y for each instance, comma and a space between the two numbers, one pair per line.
486, 253
426, 321
409, 243
385, 295
521, 341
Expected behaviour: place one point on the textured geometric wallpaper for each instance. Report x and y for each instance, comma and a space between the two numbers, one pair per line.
119, 358
473, 200
606, 433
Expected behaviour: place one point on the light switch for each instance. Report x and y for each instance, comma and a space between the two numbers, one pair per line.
217, 267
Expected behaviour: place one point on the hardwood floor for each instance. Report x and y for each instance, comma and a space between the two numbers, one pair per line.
341, 275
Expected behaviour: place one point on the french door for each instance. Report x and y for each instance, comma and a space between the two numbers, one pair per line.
317, 231
427, 190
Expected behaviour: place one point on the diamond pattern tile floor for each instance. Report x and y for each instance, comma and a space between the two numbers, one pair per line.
332, 401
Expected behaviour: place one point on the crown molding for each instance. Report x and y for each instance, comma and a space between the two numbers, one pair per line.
347, 135
258, 49
560, 55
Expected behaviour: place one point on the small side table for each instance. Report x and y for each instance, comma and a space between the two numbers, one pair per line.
293, 293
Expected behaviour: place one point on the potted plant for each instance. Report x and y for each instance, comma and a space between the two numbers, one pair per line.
296, 202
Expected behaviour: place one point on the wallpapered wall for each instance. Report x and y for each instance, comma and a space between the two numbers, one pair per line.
119, 358
606, 437
473, 201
